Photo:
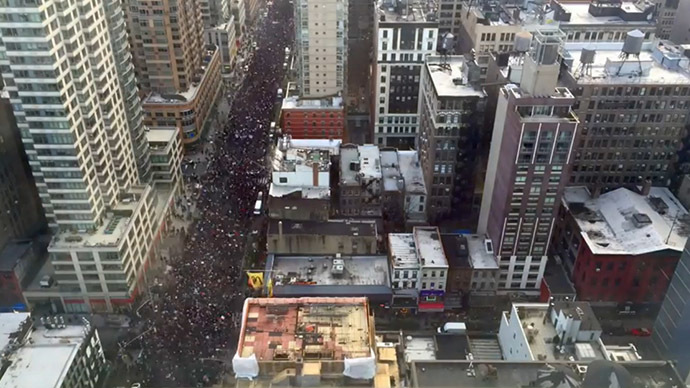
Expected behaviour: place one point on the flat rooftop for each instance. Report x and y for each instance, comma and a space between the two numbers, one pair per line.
503, 374
307, 192
183, 97
295, 102
390, 171
450, 77
329, 270
10, 325
301, 160
429, 247
296, 329
113, 228
328, 228
411, 171
330, 145
403, 250
579, 14
416, 11
480, 256
622, 222
161, 135
363, 160
457, 253
45, 360
656, 65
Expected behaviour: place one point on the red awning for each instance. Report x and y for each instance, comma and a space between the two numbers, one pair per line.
431, 306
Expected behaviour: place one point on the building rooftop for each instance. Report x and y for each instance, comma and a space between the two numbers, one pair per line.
411, 171
328, 228
183, 97
390, 171
114, 227
301, 160
45, 359
11, 325
429, 247
588, 321
161, 135
296, 329
659, 63
403, 250
624, 222
330, 145
307, 192
457, 253
363, 161
623, 12
454, 77
481, 256
330, 270
414, 11
435, 347
295, 102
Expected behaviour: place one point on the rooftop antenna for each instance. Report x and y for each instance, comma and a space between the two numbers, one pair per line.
673, 225
632, 47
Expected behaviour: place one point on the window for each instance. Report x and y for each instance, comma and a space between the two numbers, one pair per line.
283, 179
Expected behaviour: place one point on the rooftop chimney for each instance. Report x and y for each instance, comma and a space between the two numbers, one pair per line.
646, 187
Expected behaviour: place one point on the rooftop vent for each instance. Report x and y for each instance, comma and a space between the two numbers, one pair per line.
658, 204
640, 220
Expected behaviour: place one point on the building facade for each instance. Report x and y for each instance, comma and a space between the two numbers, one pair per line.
178, 75
321, 46
224, 37
21, 215
451, 113
611, 263
669, 334
190, 111
403, 38
633, 111
322, 118
360, 50
529, 159
680, 30
166, 156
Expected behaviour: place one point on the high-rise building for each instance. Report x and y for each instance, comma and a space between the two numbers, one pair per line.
69, 108
665, 12
21, 215
178, 75
128, 86
224, 37
530, 156
238, 13
75, 123
680, 27
214, 12
670, 332
633, 103
321, 42
451, 117
404, 35
360, 47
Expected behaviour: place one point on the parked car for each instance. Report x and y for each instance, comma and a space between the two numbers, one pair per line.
641, 332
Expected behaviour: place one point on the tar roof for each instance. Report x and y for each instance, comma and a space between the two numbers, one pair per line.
457, 253
450, 78
292, 329
429, 247
624, 222
580, 15
328, 228
403, 250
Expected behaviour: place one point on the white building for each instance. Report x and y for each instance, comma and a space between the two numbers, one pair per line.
404, 37
404, 263
432, 258
224, 37
60, 73
321, 42
166, 156
549, 332
52, 355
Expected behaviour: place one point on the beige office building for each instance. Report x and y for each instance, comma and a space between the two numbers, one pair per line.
321, 31
172, 63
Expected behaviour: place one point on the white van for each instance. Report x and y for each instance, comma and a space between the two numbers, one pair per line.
258, 204
453, 328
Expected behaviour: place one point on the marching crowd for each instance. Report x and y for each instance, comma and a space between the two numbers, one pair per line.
192, 328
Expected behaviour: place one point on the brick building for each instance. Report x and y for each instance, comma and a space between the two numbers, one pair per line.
322, 118
621, 246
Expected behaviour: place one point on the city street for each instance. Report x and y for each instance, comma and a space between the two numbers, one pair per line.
189, 332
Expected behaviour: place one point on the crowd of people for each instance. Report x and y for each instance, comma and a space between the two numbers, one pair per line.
193, 327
